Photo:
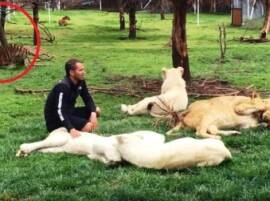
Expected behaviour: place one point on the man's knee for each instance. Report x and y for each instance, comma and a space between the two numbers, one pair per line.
88, 127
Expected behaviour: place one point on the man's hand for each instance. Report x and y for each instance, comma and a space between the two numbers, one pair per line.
93, 120
74, 133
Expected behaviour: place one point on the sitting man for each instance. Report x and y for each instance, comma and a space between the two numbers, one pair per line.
60, 108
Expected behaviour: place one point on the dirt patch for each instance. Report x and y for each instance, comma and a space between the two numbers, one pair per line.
197, 87
138, 86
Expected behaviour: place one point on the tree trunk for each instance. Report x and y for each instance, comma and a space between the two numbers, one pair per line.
122, 18
3, 16
179, 39
132, 21
266, 24
3, 39
121, 7
162, 15
35, 17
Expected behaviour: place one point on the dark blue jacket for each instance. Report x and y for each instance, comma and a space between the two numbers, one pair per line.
62, 99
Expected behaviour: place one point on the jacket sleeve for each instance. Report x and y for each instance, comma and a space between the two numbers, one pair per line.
61, 95
87, 98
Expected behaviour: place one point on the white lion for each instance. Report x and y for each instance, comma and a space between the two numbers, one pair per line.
102, 148
173, 97
142, 148
177, 154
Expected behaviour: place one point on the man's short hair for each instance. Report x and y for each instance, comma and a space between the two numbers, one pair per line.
71, 65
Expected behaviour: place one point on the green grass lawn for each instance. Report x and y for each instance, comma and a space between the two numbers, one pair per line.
94, 38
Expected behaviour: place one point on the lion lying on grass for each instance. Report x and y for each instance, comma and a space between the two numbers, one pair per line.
177, 154
266, 113
142, 148
101, 148
173, 97
64, 21
207, 117
94, 146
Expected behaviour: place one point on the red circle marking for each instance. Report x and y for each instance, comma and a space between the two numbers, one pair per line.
16, 7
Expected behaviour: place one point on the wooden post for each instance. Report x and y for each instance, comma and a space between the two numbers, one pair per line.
198, 12
252, 9
194, 6
248, 14
222, 42
100, 4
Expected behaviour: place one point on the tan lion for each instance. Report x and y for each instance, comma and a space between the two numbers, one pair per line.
64, 21
207, 117
266, 113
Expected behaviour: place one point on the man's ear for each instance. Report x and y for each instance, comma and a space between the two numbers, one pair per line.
163, 72
181, 70
71, 72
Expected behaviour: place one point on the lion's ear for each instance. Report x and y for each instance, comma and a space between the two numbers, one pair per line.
181, 70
